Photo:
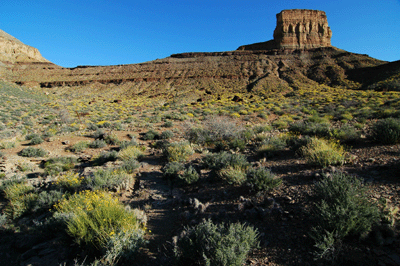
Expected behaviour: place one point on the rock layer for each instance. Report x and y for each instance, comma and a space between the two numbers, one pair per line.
302, 29
12, 50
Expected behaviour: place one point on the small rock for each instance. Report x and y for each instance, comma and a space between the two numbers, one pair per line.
65, 142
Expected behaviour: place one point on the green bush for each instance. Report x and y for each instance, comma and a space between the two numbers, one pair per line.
346, 133
172, 170
218, 161
178, 151
46, 200
108, 179
167, 134
111, 139
131, 152
311, 128
221, 131
7, 145
189, 175
80, 146
130, 166
323, 153
21, 199
151, 135
272, 145
387, 131
33, 152
54, 166
31, 136
233, 175
105, 156
125, 144
36, 140
262, 179
342, 208
215, 245
95, 219
97, 143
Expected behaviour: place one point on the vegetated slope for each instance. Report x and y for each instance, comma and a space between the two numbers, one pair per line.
193, 75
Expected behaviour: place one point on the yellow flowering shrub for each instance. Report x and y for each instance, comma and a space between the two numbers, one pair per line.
69, 180
95, 217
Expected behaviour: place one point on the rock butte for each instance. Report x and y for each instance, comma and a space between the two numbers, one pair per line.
297, 29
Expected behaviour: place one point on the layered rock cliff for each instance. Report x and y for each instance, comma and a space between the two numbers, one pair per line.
302, 29
12, 50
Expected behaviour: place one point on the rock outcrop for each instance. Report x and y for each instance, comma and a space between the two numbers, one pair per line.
297, 29
302, 29
12, 50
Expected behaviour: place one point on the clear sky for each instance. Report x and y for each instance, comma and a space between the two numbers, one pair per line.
112, 32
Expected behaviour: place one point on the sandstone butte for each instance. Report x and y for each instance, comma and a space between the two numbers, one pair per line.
300, 54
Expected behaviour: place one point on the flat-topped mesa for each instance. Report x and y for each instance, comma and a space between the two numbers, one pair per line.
302, 29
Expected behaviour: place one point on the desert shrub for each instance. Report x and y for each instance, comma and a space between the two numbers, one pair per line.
108, 179
212, 244
233, 175
25, 166
387, 131
262, 128
311, 128
129, 166
70, 181
224, 132
98, 134
31, 136
111, 139
168, 124
21, 198
117, 126
131, 152
94, 218
151, 135
262, 179
172, 170
346, 133
295, 142
54, 166
80, 146
92, 127
189, 175
323, 153
105, 156
33, 152
97, 143
178, 151
125, 144
272, 145
7, 145
46, 200
36, 140
218, 161
342, 208
167, 134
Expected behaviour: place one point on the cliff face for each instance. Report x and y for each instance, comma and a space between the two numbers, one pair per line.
302, 29
12, 50
297, 29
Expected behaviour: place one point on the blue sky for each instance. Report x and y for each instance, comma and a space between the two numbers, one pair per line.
104, 32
